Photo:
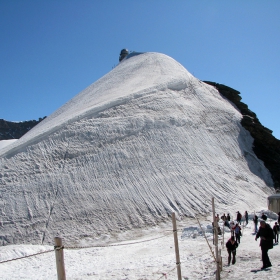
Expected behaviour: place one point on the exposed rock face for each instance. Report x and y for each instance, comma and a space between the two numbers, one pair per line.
266, 146
14, 130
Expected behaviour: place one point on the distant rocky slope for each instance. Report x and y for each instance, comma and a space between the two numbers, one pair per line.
14, 130
266, 146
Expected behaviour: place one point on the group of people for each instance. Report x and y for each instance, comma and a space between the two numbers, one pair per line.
264, 232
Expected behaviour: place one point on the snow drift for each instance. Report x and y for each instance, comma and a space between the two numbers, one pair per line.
145, 140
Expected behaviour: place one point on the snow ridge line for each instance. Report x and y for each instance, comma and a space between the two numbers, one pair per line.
176, 85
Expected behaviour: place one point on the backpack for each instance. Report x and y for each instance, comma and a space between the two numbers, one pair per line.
237, 230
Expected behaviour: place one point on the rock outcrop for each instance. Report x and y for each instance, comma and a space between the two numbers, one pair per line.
266, 146
14, 130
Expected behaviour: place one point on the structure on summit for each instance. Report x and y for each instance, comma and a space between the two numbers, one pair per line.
123, 54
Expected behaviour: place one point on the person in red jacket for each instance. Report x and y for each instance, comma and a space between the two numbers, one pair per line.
231, 248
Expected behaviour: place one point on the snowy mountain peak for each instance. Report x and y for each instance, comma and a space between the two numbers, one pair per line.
133, 77
145, 140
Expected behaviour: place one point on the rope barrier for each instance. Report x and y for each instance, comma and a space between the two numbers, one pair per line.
165, 274
84, 247
26, 256
113, 245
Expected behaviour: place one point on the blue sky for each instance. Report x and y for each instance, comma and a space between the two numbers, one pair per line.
53, 49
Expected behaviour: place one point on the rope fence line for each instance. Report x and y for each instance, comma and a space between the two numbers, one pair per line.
113, 245
83, 247
165, 274
15, 259
60, 248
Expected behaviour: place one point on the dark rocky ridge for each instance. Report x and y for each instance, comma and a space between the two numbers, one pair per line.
266, 146
14, 130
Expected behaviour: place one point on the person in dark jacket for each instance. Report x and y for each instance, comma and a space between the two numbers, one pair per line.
263, 216
237, 232
228, 217
255, 220
246, 217
266, 234
231, 248
238, 217
276, 232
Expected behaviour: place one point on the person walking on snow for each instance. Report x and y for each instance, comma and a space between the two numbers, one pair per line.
263, 216
228, 217
231, 225
266, 234
276, 232
238, 217
237, 231
231, 248
255, 220
246, 217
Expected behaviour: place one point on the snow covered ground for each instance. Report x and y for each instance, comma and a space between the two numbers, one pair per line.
112, 165
145, 140
150, 260
4, 143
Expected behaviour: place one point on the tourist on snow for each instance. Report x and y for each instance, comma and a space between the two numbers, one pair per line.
255, 220
224, 218
276, 232
231, 226
266, 234
231, 248
227, 223
237, 231
228, 217
238, 217
246, 217
263, 216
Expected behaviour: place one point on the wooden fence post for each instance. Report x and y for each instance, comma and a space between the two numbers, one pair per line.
220, 260
176, 247
59, 256
223, 235
215, 227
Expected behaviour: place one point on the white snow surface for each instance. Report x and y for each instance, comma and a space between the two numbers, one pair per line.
145, 140
147, 258
4, 143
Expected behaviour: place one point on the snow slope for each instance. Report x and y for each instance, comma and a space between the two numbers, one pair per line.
4, 143
145, 140
139, 260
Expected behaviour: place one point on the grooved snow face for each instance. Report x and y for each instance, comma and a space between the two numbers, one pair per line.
145, 140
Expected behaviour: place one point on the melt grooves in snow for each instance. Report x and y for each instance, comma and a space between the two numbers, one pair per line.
145, 140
